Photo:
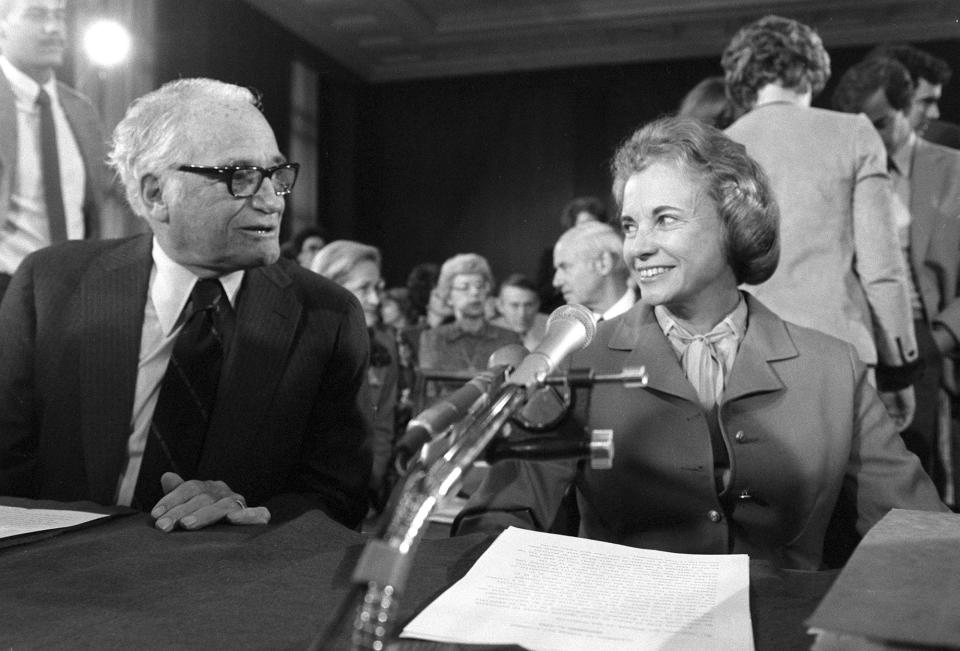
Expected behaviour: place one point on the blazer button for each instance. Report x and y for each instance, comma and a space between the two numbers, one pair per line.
714, 515
739, 436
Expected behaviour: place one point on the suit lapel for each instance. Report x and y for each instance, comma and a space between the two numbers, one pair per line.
112, 298
639, 333
765, 341
268, 312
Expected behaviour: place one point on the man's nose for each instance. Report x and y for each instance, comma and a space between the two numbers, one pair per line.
267, 199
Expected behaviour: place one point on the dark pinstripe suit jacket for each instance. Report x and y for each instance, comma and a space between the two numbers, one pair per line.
286, 431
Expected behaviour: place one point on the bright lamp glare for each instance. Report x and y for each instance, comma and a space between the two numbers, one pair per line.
107, 43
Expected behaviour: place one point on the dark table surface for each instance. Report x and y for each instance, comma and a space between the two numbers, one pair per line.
121, 583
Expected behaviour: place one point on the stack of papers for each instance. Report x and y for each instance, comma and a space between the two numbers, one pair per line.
558, 593
16, 521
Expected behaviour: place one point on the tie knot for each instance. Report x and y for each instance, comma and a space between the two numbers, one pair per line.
42, 98
719, 332
205, 295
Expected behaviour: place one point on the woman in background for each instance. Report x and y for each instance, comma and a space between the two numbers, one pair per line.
356, 267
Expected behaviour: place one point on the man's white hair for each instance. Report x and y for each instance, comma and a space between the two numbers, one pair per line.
151, 137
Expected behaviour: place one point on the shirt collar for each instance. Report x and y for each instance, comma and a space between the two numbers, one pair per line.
903, 157
25, 89
171, 284
623, 304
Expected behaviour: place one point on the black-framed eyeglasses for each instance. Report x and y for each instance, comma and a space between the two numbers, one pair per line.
245, 180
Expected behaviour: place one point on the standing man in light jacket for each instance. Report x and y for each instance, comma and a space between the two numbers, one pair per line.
44, 199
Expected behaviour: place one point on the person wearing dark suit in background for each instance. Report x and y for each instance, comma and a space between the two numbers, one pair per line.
841, 269
53, 176
926, 181
189, 372
751, 429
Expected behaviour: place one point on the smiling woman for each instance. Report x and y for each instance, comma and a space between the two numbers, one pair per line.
751, 430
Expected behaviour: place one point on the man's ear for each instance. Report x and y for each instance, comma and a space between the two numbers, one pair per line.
151, 193
603, 263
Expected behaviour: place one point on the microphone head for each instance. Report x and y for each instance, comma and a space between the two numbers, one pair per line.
575, 313
510, 355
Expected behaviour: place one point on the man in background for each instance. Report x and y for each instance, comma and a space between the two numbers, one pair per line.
926, 202
590, 271
519, 307
189, 372
929, 75
52, 171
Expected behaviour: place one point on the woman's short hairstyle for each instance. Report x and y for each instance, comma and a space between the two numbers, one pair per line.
774, 50
862, 80
337, 259
462, 263
150, 138
736, 183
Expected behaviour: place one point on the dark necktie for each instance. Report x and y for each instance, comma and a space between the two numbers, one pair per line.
187, 392
50, 167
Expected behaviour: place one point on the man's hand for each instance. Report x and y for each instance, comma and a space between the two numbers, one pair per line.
900, 406
196, 504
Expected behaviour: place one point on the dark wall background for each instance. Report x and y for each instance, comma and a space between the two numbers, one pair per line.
428, 169
485, 164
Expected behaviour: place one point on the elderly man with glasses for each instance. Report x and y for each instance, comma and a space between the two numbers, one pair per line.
190, 372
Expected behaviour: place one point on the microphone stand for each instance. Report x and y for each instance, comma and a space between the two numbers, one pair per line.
386, 560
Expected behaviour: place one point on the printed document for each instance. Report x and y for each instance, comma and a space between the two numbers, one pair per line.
16, 521
548, 592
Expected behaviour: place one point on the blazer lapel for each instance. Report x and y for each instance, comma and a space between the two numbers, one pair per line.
765, 341
112, 298
639, 333
267, 314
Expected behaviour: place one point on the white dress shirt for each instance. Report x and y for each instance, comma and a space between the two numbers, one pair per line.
27, 228
167, 293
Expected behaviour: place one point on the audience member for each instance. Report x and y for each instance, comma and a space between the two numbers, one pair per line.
395, 308
356, 267
841, 269
256, 412
305, 244
53, 179
576, 211
590, 270
752, 429
519, 307
926, 181
929, 75
467, 343
707, 102
430, 308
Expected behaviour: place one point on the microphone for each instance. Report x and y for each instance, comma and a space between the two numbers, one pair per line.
435, 419
570, 328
